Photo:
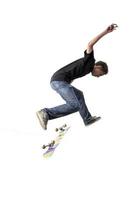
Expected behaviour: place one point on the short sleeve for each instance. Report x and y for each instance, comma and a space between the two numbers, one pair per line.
89, 56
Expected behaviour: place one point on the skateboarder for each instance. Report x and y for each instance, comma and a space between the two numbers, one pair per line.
74, 98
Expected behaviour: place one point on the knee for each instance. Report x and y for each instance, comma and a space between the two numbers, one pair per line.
79, 94
75, 105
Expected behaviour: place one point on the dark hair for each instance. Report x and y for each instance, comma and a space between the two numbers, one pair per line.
103, 65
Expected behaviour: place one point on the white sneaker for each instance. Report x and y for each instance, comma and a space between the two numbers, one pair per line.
43, 118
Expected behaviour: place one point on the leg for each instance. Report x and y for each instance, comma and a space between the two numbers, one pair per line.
74, 101
83, 110
66, 92
60, 111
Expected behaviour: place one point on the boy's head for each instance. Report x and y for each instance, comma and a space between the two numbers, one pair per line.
100, 69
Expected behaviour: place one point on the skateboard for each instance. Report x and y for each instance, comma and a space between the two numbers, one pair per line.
61, 131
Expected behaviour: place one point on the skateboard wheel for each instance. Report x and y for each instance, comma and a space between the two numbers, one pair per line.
52, 144
56, 129
44, 146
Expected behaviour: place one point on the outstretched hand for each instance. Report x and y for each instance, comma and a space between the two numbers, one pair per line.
111, 28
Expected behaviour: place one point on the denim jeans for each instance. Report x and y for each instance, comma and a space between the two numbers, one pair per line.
74, 99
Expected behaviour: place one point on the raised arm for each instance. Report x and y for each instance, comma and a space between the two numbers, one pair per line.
109, 29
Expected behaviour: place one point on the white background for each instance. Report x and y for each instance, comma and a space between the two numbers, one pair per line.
36, 39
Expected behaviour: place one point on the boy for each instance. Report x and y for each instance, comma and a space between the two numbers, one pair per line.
74, 98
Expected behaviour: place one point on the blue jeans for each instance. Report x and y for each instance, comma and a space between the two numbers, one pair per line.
74, 99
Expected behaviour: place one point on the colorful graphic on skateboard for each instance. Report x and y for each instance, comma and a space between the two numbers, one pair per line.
54, 143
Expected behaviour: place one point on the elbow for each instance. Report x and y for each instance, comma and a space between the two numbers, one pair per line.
90, 45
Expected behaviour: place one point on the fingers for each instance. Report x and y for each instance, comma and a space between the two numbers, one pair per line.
112, 27
115, 25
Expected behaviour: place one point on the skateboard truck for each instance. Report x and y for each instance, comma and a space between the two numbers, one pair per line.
61, 128
51, 144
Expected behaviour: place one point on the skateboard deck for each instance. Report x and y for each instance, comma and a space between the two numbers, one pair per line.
61, 131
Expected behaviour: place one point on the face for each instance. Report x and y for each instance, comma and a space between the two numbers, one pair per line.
97, 71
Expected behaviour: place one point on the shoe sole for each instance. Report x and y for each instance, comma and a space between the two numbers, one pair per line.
93, 121
41, 121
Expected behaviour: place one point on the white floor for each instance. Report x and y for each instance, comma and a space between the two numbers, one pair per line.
93, 162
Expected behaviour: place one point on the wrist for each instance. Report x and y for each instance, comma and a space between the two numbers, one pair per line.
105, 32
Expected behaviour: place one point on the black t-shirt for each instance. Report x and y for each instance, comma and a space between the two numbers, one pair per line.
76, 69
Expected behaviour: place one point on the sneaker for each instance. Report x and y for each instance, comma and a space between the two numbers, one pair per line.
91, 120
43, 118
